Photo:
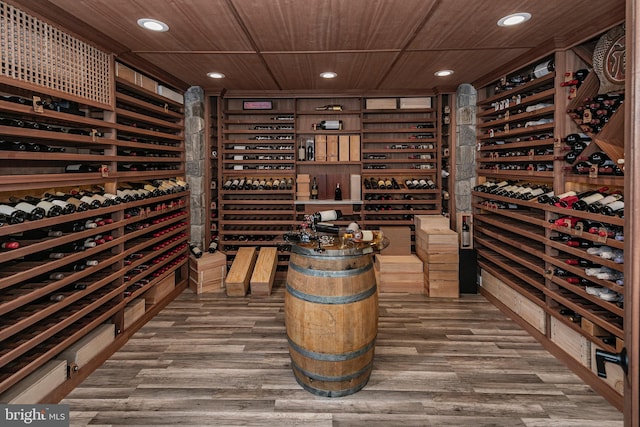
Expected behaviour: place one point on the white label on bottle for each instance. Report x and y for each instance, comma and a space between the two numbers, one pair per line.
60, 203
328, 216
615, 206
45, 205
367, 235
25, 207
567, 194
7, 210
593, 198
610, 199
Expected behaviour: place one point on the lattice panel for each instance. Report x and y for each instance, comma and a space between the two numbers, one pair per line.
38, 53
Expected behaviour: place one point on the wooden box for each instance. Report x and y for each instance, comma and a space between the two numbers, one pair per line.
354, 148
381, 103
207, 273
237, 281
503, 292
412, 103
572, 342
399, 240
343, 148
615, 374
147, 83
89, 346
133, 311
321, 148
426, 222
399, 273
264, 272
592, 329
356, 187
160, 290
37, 385
125, 73
171, 94
532, 313
332, 148
442, 288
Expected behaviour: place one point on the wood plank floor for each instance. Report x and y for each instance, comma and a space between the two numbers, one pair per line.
210, 360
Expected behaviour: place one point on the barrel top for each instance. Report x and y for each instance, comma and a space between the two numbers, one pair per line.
351, 249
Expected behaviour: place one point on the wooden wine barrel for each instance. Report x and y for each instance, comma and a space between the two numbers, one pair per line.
331, 315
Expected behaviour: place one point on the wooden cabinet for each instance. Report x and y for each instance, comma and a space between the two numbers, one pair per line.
556, 269
63, 276
337, 140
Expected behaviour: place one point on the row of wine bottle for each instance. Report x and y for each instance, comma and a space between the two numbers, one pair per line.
393, 184
592, 227
61, 106
595, 201
17, 210
250, 183
28, 124
595, 112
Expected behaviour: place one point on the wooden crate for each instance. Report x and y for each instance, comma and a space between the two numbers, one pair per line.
399, 240
321, 148
438, 240
427, 222
133, 311
125, 73
354, 148
343, 148
332, 148
37, 385
503, 292
89, 346
264, 272
532, 313
399, 273
418, 103
147, 83
381, 103
615, 374
160, 290
171, 94
237, 281
572, 342
207, 273
592, 329
442, 288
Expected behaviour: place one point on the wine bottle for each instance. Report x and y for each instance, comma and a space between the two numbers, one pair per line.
338, 192
310, 154
325, 216
227, 184
613, 208
302, 153
314, 189
583, 203
466, 233
32, 212
195, 250
12, 215
80, 168
9, 245
213, 246
596, 207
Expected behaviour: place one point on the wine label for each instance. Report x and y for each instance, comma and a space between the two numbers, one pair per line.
7, 210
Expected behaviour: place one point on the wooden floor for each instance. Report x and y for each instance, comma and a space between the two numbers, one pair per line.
212, 360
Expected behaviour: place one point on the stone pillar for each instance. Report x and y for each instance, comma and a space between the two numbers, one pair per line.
465, 179
195, 150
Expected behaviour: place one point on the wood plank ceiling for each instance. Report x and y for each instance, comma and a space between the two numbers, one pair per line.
373, 45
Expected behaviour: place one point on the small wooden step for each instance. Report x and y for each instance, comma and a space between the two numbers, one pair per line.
237, 281
264, 272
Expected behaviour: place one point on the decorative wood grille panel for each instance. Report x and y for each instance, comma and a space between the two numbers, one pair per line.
36, 52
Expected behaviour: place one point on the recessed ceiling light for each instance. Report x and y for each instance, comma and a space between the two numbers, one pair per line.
328, 75
514, 19
443, 73
216, 75
153, 25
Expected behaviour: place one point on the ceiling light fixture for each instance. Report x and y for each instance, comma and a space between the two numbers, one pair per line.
328, 75
443, 73
514, 19
153, 25
216, 75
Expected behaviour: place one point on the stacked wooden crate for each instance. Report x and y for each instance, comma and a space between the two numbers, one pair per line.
437, 247
397, 270
207, 273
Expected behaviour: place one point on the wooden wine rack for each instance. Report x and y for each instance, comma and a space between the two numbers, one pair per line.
517, 248
136, 140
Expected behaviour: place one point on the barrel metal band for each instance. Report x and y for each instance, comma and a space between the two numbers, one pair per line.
331, 273
348, 377
323, 299
331, 357
331, 393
